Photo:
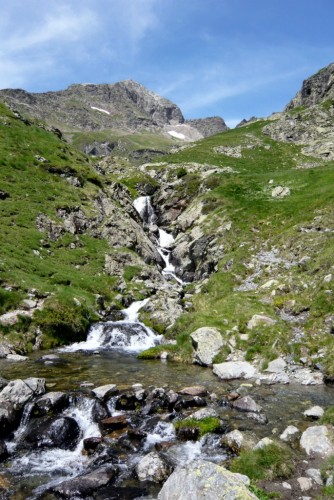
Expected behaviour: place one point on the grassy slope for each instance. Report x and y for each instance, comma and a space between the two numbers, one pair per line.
260, 222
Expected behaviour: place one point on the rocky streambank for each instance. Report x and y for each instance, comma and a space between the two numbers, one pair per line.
137, 441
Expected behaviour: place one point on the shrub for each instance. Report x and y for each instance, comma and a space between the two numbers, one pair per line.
66, 322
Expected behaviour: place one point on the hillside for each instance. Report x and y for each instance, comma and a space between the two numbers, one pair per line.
251, 210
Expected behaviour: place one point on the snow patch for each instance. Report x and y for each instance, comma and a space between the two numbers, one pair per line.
177, 135
102, 110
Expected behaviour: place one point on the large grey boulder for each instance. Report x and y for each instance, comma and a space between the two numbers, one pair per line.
205, 480
82, 486
234, 369
18, 392
206, 341
318, 440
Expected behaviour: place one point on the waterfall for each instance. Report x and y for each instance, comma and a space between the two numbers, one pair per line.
145, 209
165, 241
128, 334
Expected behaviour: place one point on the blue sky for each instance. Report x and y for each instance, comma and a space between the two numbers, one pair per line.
232, 58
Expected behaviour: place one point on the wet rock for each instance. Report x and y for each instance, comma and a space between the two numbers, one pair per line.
82, 486
258, 417
206, 342
318, 440
188, 433
104, 392
9, 418
136, 435
184, 403
37, 385
192, 480
50, 403
3, 382
152, 468
314, 413
195, 390
247, 404
55, 432
16, 357
90, 444
234, 369
127, 401
111, 424
3, 451
99, 411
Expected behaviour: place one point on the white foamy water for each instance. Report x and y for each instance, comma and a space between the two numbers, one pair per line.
163, 431
56, 460
145, 209
166, 240
128, 334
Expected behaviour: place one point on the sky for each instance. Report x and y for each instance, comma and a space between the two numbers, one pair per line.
228, 58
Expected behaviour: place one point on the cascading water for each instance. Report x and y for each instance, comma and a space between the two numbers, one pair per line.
128, 334
165, 241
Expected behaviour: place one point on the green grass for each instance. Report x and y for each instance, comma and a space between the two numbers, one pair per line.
204, 425
271, 462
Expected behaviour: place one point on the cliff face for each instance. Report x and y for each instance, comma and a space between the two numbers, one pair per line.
308, 119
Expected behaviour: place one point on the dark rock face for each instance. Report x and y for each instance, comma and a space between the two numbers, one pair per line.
54, 432
208, 126
315, 89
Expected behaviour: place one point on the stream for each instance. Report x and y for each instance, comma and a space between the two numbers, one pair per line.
148, 398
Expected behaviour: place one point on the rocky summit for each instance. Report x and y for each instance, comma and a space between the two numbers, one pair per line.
96, 116
126, 262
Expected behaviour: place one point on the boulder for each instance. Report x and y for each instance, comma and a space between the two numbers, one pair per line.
202, 479
152, 468
51, 432
318, 440
9, 418
263, 443
314, 413
194, 390
234, 369
206, 342
82, 486
112, 424
18, 392
52, 402
280, 192
276, 366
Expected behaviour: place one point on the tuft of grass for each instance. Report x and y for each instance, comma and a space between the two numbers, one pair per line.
328, 416
270, 462
205, 425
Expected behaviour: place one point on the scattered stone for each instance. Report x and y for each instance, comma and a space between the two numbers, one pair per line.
260, 320
318, 440
286, 486
234, 369
290, 434
193, 479
305, 376
152, 468
315, 474
196, 390
263, 443
276, 366
275, 378
247, 404
204, 413
314, 413
305, 483
280, 192
206, 342
233, 440
16, 357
